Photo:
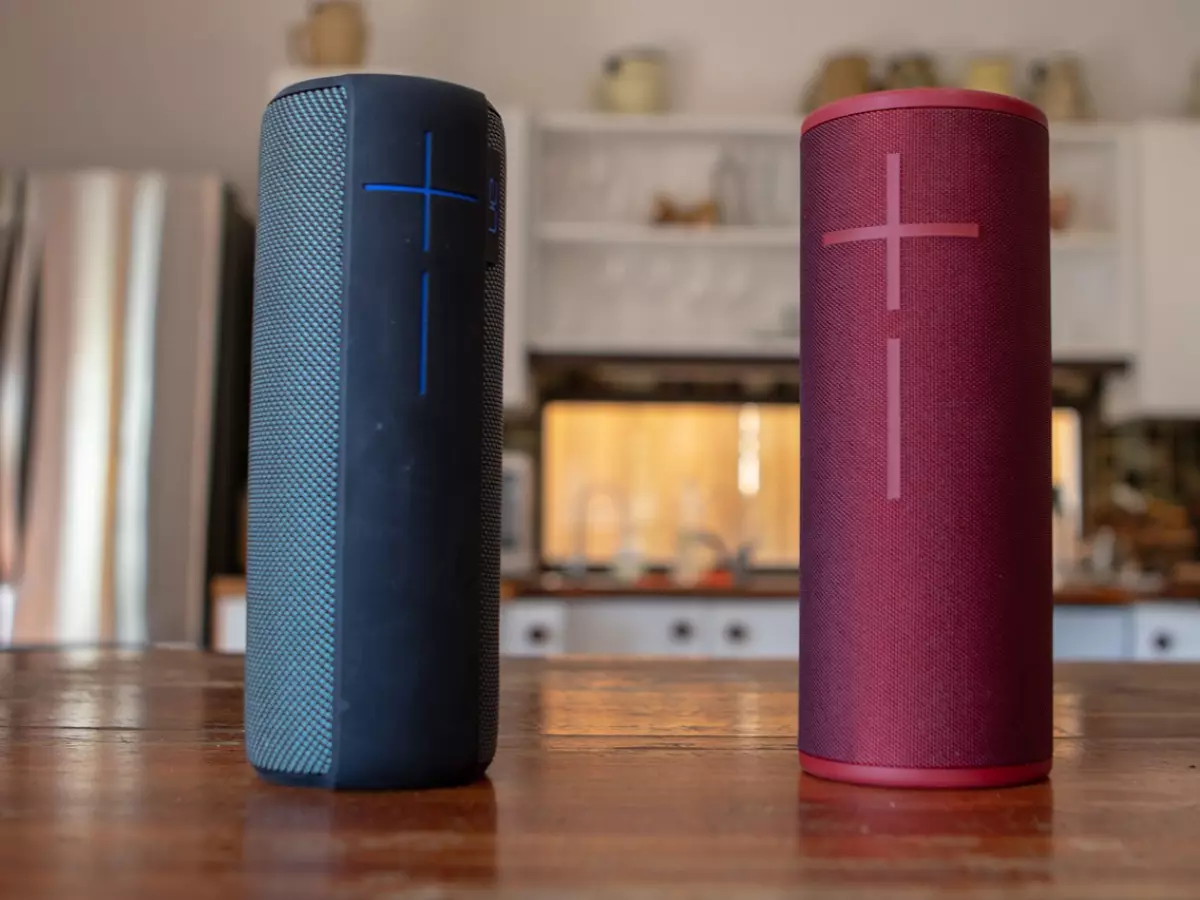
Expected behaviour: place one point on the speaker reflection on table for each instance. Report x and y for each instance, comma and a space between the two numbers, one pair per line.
376, 435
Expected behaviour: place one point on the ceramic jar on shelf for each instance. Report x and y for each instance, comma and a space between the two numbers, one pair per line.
634, 82
334, 34
1057, 87
994, 74
839, 77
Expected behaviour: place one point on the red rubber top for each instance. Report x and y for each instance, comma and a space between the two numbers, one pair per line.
913, 98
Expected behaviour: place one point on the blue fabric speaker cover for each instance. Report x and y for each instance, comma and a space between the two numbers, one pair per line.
295, 397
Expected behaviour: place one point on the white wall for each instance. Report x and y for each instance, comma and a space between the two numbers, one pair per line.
181, 84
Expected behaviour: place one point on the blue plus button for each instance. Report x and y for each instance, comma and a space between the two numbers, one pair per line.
428, 191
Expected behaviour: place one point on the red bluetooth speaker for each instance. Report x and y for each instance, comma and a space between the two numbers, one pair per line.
926, 587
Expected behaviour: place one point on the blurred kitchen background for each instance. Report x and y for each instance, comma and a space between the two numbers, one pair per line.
652, 489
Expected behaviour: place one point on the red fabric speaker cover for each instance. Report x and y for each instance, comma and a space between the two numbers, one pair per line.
926, 586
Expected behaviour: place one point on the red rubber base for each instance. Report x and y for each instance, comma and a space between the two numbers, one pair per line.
889, 776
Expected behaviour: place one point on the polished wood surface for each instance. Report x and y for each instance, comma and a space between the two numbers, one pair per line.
123, 775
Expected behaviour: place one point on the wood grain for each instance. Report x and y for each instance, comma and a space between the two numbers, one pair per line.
123, 775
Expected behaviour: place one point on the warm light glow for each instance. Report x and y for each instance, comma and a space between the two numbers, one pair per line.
741, 460
749, 425
636, 460
1067, 462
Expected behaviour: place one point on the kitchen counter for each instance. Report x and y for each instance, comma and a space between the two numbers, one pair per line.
774, 586
758, 587
675, 779
553, 585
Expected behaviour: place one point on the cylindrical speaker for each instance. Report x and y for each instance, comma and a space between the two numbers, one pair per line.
373, 575
926, 597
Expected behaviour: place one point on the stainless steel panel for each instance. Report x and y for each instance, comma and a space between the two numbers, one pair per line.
113, 546
185, 355
22, 252
64, 595
12, 250
131, 527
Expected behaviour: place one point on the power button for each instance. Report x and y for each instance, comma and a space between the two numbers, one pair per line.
494, 204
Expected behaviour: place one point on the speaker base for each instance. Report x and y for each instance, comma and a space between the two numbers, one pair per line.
328, 782
891, 776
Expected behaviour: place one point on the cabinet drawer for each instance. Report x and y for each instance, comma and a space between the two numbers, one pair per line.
629, 626
229, 624
532, 627
1167, 631
1093, 633
757, 629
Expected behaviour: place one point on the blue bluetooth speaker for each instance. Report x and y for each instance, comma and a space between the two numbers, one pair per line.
373, 577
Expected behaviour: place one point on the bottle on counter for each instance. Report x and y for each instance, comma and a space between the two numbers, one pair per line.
1066, 540
1058, 538
690, 550
729, 190
630, 563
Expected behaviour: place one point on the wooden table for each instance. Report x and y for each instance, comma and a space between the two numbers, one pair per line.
122, 774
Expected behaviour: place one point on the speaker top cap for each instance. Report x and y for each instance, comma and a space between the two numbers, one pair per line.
344, 78
927, 98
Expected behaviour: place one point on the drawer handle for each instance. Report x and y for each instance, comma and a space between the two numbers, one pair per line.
1163, 641
537, 634
681, 631
737, 633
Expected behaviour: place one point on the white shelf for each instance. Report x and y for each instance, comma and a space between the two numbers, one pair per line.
623, 234
661, 347
1085, 132
1083, 241
728, 288
670, 124
699, 125
668, 235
